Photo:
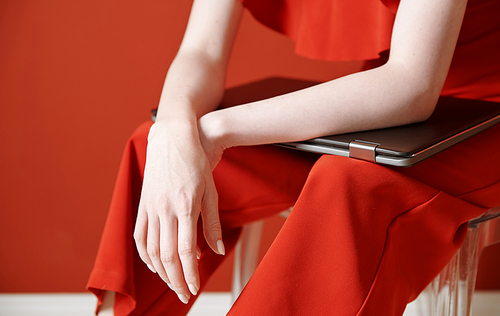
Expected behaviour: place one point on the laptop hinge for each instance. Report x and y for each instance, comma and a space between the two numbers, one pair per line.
362, 150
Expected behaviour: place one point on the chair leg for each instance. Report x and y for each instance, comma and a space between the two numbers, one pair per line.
452, 291
443, 289
483, 233
107, 304
246, 256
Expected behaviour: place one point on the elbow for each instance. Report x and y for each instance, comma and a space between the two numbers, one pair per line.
422, 106
423, 101
418, 92
417, 89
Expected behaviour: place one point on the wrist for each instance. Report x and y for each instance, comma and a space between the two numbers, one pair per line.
172, 128
213, 131
173, 112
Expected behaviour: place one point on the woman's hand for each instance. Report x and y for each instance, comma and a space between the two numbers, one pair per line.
178, 186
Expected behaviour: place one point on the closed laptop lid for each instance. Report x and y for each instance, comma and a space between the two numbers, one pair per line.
451, 117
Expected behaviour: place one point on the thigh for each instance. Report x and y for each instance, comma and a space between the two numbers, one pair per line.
469, 170
357, 232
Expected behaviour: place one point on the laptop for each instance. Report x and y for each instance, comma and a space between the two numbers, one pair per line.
453, 120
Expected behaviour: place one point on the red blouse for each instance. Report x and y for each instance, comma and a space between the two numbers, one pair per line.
339, 30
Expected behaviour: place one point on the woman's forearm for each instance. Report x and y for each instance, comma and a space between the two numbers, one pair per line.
195, 80
193, 87
367, 100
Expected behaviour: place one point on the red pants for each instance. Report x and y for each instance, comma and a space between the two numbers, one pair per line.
362, 239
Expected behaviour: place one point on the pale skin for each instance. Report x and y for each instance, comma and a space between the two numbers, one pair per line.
188, 138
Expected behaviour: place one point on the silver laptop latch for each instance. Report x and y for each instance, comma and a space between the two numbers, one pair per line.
362, 150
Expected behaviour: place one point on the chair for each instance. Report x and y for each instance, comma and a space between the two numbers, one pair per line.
246, 254
449, 294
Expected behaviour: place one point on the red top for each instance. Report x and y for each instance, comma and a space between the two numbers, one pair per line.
339, 30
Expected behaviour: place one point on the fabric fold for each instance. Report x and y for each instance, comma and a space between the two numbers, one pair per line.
332, 30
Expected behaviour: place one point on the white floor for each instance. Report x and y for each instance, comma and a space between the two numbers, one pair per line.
208, 304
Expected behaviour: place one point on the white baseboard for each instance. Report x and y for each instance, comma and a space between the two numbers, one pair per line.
78, 304
211, 304
83, 304
486, 303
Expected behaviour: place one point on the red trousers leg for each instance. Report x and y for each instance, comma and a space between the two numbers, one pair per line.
362, 239
253, 183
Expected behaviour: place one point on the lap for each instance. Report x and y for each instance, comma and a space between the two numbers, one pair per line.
259, 181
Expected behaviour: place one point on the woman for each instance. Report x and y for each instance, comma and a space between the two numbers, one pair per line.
353, 237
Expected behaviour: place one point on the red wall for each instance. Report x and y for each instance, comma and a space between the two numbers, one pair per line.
76, 77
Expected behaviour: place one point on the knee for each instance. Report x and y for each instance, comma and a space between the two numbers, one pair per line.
338, 171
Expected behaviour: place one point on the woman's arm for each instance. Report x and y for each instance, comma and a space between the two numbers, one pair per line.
178, 183
195, 80
402, 91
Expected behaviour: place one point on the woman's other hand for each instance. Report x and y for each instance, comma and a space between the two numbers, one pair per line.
178, 186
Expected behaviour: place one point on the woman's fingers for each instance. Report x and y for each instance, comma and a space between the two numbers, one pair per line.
210, 216
140, 237
170, 260
168, 246
157, 254
187, 250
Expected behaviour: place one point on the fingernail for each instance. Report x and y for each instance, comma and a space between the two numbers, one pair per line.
192, 289
151, 268
220, 247
183, 298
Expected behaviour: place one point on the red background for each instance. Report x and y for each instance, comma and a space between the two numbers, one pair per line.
76, 77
